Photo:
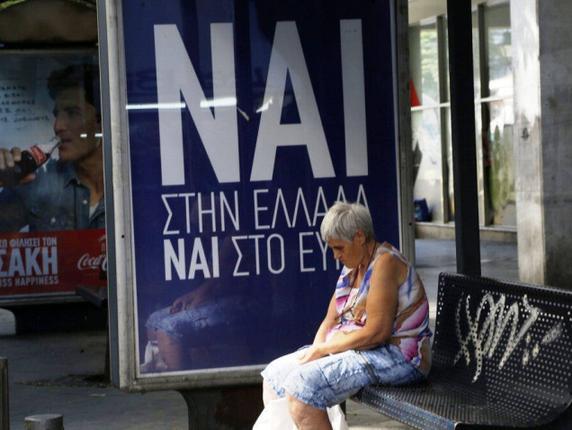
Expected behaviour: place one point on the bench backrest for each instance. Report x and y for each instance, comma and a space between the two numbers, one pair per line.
513, 340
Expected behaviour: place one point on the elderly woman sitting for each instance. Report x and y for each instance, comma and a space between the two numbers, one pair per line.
376, 329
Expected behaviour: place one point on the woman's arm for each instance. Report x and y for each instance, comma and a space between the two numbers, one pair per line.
381, 307
329, 321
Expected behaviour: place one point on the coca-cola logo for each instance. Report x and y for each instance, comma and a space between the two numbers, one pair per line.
102, 244
88, 262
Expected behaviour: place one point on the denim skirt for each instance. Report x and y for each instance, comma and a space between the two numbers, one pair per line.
330, 380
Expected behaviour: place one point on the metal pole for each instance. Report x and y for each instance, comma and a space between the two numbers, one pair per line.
463, 137
4, 403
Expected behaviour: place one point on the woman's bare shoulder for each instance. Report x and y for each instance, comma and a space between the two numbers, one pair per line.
389, 265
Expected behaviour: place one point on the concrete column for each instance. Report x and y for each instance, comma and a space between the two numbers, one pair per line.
556, 92
527, 138
542, 61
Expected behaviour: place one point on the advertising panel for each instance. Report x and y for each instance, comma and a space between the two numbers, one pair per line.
54, 262
52, 220
236, 125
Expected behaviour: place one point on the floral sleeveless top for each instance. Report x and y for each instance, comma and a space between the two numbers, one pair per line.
411, 332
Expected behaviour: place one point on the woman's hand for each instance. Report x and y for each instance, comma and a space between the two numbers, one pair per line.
189, 300
313, 353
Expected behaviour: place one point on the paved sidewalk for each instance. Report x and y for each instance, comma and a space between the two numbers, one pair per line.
57, 372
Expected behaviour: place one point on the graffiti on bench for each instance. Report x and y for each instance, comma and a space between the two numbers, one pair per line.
485, 335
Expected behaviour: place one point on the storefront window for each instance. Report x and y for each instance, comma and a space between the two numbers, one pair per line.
425, 63
446, 91
431, 122
499, 58
499, 165
450, 182
429, 65
499, 160
476, 62
426, 128
427, 158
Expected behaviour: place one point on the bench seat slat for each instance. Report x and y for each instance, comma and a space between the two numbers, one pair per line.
442, 404
392, 405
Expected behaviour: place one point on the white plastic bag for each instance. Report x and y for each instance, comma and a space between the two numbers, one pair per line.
337, 418
275, 416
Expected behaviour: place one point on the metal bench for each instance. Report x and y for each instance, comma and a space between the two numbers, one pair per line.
502, 358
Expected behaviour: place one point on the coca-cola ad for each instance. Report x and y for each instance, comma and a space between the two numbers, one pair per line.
52, 214
54, 262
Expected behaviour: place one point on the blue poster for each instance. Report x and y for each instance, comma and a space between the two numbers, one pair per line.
247, 120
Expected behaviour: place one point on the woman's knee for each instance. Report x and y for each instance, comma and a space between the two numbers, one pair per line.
166, 339
307, 417
172, 351
300, 411
297, 409
268, 393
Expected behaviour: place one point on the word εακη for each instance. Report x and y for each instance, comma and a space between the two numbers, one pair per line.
30, 261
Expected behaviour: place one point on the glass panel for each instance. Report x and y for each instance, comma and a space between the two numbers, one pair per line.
445, 48
497, 27
451, 186
499, 167
427, 160
476, 62
52, 208
482, 152
424, 63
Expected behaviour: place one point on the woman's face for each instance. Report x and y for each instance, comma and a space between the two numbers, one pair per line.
350, 254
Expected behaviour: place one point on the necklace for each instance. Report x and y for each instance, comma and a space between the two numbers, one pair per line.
356, 294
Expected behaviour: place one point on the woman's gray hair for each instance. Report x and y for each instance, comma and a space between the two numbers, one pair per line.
343, 220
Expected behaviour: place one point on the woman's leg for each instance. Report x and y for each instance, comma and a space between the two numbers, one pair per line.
268, 393
171, 351
307, 417
153, 322
275, 373
152, 361
322, 383
151, 334
171, 331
